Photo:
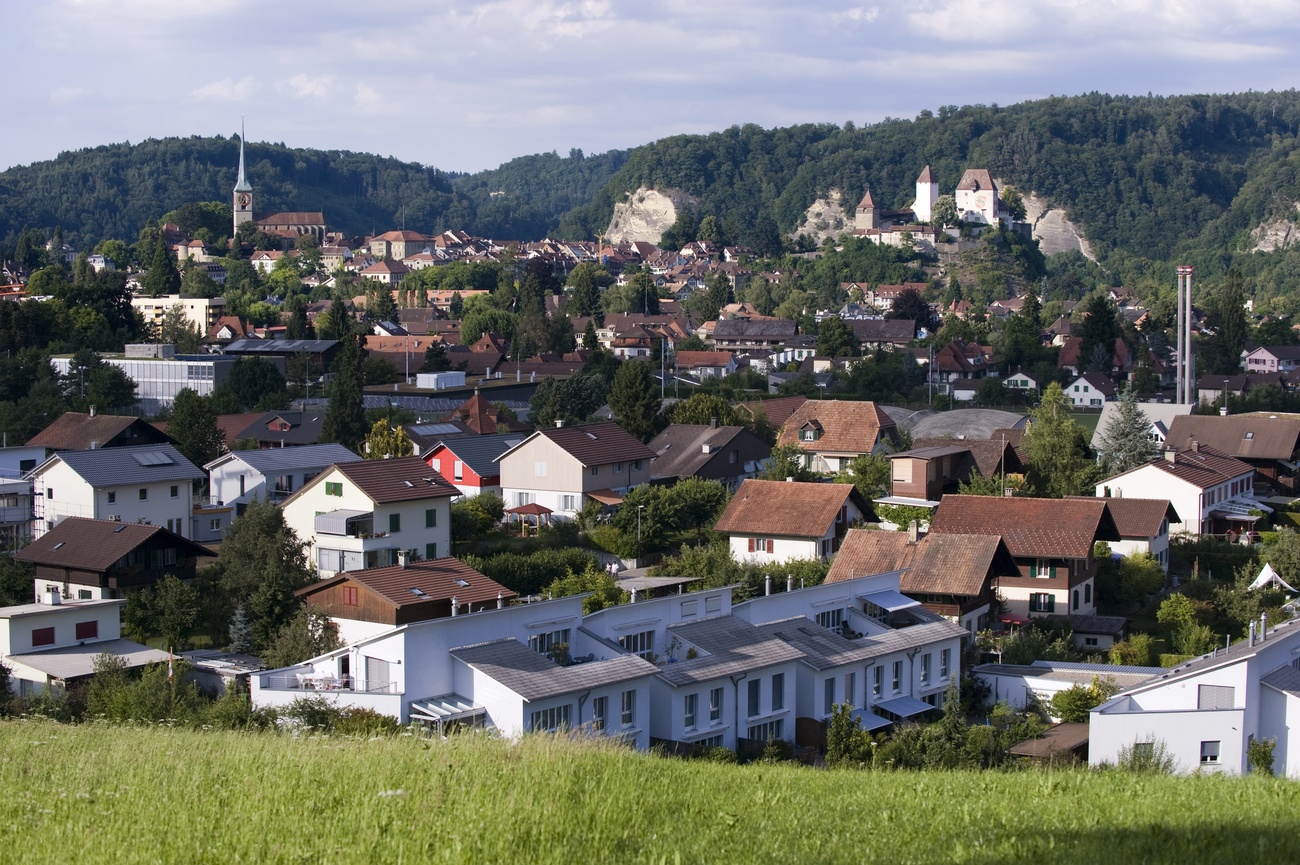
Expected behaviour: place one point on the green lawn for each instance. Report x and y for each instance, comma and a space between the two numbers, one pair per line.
1088, 420
119, 794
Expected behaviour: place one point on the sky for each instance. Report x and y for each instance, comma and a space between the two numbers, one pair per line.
468, 85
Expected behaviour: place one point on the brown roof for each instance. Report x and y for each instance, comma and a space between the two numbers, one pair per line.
1204, 467
788, 508
1140, 518
777, 411
293, 217
987, 455
396, 480
1061, 739
947, 564
1051, 528
1242, 436
480, 415
95, 545
597, 444
435, 579
74, 431
976, 178
691, 359
847, 427
926, 176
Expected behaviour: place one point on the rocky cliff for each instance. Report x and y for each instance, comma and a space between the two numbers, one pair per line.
1053, 230
826, 217
645, 215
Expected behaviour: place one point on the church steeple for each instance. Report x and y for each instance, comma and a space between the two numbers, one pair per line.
243, 194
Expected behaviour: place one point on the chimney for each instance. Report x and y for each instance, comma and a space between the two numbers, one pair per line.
403, 558
713, 422
767, 585
94, 446
913, 532
455, 606
1171, 456
55, 597
789, 479
789, 582
1252, 633
1196, 446
1223, 411
559, 423
92, 411
1263, 626
501, 601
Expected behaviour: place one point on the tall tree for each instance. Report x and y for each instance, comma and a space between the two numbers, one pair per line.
1220, 354
643, 294
177, 329
704, 408
263, 561
634, 399
1126, 441
1057, 449
911, 305
590, 341
345, 417
162, 277
386, 441
1097, 334
194, 427
835, 338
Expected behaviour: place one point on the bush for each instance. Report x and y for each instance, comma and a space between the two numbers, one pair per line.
613, 541
1074, 704
1259, 754
529, 573
1146, 757
1134, 652
365, 722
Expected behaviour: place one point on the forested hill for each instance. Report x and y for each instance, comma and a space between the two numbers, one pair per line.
1147, 178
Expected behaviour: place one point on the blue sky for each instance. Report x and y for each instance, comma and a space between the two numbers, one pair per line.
465, 86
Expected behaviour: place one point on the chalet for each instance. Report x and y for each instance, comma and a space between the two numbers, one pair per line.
776, 521
469, 463
561, 469
960, 361
1023, 381
1211, 388
1273, 358
75, 431
94, 559
723, 453
1052, 543
832, 433
1212, 492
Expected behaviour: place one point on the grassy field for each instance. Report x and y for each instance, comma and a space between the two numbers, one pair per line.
114, 794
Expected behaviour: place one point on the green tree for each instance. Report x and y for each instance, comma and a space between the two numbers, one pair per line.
252, 380
1220, 353
1014, 204
634, 399
642, 294
435, 358
910, 305
590, 341
91, 380
175, 608
571, 400
193, 426
1126, 441
335, 323
345, 417
161, 278
1074, 704
787, 461
386, 441
380, 305
307, 634
1057, 449
602, 588
1097, 331
704, 408
585, 281
944, 213
869, 474
263, 561
836, 339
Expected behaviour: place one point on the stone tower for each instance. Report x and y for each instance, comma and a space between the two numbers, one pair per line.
242, 202
865, 216
927, 193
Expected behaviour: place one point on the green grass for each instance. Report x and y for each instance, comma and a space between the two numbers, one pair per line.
1088, 420
98, 793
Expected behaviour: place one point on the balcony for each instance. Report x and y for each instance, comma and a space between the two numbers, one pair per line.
348, 524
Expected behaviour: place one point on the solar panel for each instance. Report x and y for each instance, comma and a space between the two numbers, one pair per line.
153, 458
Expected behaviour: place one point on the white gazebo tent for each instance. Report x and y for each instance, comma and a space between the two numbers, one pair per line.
1269, 578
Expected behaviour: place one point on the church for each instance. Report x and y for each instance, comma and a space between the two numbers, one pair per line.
287, 225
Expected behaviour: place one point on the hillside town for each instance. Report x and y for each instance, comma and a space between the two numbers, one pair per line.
684, 496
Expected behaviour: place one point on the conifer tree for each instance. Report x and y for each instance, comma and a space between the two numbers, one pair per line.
1126, 443
1057, 450
162, 278
345, 418
633, 400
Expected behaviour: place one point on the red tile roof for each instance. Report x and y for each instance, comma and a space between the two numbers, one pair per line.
396, 480
942, 564
787, 508
1050, 528
1139, 518
847, 427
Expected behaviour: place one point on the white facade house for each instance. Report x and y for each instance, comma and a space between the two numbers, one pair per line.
1091, 390
1209, 491
769, 522
359, 515
52, 643
1022, 381
270, 474
1206, 711
1024, 686
151, 484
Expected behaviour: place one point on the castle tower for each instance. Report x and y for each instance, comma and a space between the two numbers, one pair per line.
242, 202
927, 193
865, 216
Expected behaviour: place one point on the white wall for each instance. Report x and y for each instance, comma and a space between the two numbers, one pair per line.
74, 497
16, 630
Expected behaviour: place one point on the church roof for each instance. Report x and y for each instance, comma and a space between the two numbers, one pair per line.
242, 184
925, 176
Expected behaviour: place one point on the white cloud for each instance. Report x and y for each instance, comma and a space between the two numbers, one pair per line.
227, 90
66, 95
302, 86
367, 99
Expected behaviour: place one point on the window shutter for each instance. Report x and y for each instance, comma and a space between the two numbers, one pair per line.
751, 545
1051, 603
1033, 569
1053, 572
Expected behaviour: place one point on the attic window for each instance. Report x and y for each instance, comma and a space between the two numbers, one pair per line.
59, 544
409, 484
419, 593
119, 529
464, 584
591, 436
1249, 436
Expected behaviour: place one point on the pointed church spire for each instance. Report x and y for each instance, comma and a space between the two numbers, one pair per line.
241, 184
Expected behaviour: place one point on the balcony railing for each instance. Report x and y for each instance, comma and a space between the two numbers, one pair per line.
319, 682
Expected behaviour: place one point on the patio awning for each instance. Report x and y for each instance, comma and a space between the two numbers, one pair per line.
870, 720
904, 707
532, 509
336, 522
606, 497
890, 600
445, 708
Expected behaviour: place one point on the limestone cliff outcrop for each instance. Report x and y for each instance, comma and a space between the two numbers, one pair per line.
1053, 229
645, 215
1274, 234
826, 217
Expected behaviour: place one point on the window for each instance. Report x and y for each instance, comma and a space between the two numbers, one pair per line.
769, 731
87, 630
925, 669
595, 470
436, 465
394, 522
112, 497
715, 705
851, 688
599, 713
1090, 641
568, 503
778, 692
710, 742
241, 486
175, 491
642, 645
629, 708
877, 681
828, 696
1216, 697
636, 465
690, 703
350, 596
831, 618
539, 468
83, 594
760, 545
458, 471
1042, 602
144, 494
42, 636
1042, 569
1087, 593
945, 659
544, 644
896, 681
550, 720
49, 493
1209, 752
734, 457
332, 488
618, 467
430, 552
214, 525
1074, 601
522, 499
755, 696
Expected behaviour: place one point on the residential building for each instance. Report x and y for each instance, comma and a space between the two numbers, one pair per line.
977, 198
320, 352
729, 454
16, 510
922, 475
1051, 541
149, 484
1068, 359
95, 559
1090, 390
1024, 686
469, 462
1205, 712
770, 522
706, 364
751, 333
1211, 492
75, 431
832, 433
883, 333
398, 244
1161, 416
160, 374
201, 313
953, 575
1272, 358
564, 467
359, 515
54, 644
481, 416
1143, 526
1269, 442
284, 429
1024, 381
271, 474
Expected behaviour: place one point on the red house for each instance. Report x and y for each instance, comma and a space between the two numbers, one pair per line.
469, 462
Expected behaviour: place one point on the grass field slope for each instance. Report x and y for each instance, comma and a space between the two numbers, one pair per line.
100, 793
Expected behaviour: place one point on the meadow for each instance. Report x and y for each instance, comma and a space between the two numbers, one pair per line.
101, 793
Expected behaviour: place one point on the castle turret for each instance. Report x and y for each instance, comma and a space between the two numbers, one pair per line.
927, 193
242, 203
865, 215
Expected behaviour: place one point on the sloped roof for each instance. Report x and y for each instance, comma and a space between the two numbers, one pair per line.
946, 564
1139, 518
925, 176
533, 676
435, 580
733, 646
77, 431
402, 479
777, 411
883, 329
848, 427
479, 452
269, 460
305, 427
680, 448
1204, 467
786, 508
986, 454
1252, 437
482, 417
107, 467
1055, 528
692, 359
95, 545
975, 179
595, 444
824, 649
749, 328
1163, 413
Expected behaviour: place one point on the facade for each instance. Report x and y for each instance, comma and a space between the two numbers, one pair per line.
75, 431
1143, 526
470, 462
1023, 686
1268, 442
977, 198
201, 313
562, 468
158, 379
1210, 491
1091, 390
271, 474
769, 522
149, 484
360, 515
1272, 358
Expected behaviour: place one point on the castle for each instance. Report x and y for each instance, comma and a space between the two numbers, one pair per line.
976, 197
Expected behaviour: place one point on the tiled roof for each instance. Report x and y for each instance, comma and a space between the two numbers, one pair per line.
681, 448
777, 411
94, 545
1140, 518
597, 444
480, 452
305, 427
748, 328
402, 479
883, 330
268, 460
847, 427
435, 580
1050, 528
1243, 436
733, 646
108, 467
786, 508
976, 179
953, 564
1204, 467
693, 359
77, 431
292, 217
482, 417
987, 455
535, 677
